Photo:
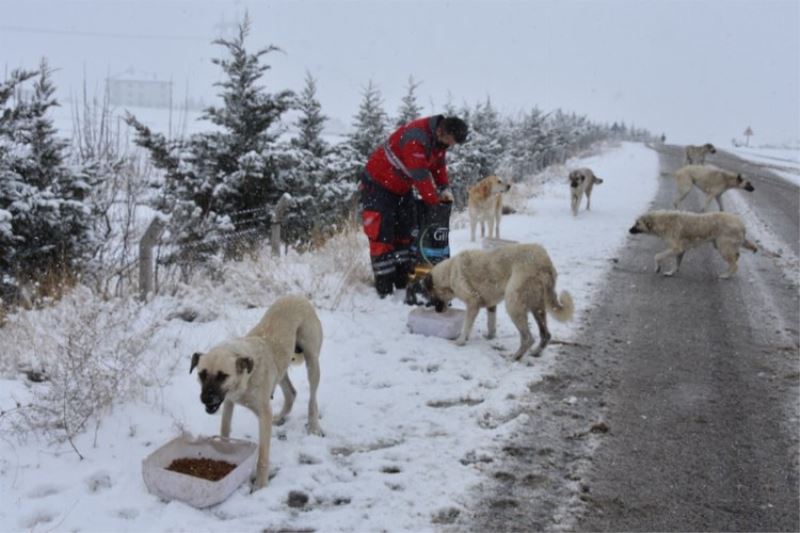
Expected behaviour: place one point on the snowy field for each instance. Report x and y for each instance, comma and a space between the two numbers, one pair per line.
407, 418
783, 161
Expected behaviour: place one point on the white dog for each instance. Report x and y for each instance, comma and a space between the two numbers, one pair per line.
485, 205
581, 182
696, 155
520, 274
246, 370
711, 180
684, 230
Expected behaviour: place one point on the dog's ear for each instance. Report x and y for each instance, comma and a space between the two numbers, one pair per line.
244, 364
195, 359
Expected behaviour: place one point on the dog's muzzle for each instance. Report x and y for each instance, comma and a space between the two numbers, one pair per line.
212, 400
416, 294
634, 230
212, 408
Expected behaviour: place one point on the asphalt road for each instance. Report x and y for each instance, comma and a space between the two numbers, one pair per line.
678, 408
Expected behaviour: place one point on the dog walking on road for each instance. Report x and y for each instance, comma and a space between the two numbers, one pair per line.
696, 155
711, 180
684, 230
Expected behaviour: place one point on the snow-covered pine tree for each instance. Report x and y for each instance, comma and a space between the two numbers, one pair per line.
311, 122
527, 144
480, 155
13, 188
221, 185
242, 176
369, 124
409, 108
320, 189
317, 177
47, 201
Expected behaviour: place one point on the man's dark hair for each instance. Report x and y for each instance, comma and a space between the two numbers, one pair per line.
456, 127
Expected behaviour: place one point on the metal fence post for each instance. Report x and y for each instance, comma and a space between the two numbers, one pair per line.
146, 245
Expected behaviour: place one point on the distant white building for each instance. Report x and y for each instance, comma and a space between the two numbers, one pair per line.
130, 89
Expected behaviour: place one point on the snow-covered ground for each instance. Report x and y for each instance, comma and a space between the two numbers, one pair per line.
406, 418
783, 161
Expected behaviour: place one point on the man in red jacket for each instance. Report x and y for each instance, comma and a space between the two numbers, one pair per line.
412, 157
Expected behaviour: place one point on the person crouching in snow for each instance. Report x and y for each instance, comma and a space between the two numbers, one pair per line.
412, 157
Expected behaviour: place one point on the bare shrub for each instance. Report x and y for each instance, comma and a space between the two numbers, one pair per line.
327, 275
88, 356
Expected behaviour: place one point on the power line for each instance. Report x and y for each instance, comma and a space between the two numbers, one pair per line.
52, 31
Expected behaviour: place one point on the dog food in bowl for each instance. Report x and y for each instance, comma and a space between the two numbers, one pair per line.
203, 467
200, 471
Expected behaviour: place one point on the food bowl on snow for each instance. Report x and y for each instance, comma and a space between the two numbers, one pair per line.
200, 471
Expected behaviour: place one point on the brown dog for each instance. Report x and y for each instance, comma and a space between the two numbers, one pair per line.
486, 205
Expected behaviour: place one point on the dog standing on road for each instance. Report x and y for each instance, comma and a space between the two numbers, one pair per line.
684, 230
581, 182
485, 205
246, 370
520, 274
696, 155
711, 180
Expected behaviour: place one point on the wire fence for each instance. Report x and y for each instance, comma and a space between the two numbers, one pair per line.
245, 228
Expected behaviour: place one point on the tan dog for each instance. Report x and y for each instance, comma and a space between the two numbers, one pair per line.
246, 370
581, 182
711, 180
520, 274
684, 230
485, 205
696, 155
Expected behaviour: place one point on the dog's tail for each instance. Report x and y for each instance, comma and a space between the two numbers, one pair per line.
560, 307
750, 246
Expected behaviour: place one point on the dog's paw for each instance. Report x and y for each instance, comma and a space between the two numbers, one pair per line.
279, 420
460, 342
670, 273
489, 335
316, 430
259, 483
261, 478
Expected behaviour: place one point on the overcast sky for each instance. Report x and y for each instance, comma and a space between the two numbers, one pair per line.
698, 70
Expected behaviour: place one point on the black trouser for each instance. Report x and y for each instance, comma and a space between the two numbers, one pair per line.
388, 221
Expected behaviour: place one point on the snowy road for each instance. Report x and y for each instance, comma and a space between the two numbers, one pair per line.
679, 408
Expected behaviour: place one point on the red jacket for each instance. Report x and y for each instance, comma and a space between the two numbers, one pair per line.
414, 147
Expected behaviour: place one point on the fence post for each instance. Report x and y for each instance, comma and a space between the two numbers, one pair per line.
149, 239
277, 219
